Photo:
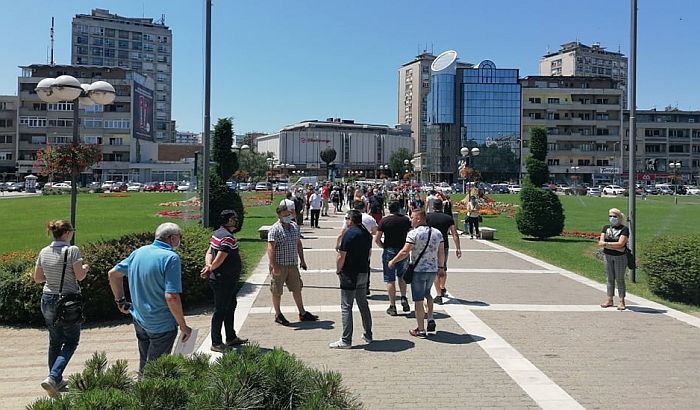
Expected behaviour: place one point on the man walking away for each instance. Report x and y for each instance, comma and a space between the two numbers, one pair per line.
394, 229
315, 206
299, 207
445, 224
426, 240
222, 266
351, 266
376, 205
155, 285
325, 196
284, 251
430, 202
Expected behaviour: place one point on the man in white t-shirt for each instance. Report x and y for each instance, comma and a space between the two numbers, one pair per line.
430, 202
315, 207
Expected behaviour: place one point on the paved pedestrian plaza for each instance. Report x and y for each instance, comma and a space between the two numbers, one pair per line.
515, 333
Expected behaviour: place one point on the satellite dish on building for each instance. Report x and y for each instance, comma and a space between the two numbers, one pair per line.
445, 63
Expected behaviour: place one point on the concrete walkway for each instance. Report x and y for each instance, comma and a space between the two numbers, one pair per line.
515, 333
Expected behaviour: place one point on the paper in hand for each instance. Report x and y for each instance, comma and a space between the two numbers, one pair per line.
188, 346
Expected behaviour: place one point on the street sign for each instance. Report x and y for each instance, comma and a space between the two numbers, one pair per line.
609, 170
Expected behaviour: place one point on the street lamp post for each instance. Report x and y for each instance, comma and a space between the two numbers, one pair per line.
270, 163
574, 171
465, 161
676, 168
383, 169
68, 88
235, 148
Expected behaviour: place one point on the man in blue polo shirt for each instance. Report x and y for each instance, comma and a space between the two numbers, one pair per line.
155, 285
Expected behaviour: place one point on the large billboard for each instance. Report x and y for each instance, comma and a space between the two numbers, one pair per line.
142, 107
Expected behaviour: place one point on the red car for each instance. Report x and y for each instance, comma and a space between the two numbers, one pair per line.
118, 187
151, 187
168, 186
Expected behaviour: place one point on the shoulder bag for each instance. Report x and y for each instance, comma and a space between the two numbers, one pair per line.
69, 308
408, 275
631, 262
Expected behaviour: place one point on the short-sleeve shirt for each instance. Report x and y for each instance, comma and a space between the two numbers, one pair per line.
152, 270
395, 228
315, 201
430, 202
418, 237
285, 240
223, 241
357, 242
612, 234
289, 204
368, 221
51, 261
442, 222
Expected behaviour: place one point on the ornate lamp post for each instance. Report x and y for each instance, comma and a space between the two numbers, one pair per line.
270, 163
68, 88
465, 162
676, 168
574, 171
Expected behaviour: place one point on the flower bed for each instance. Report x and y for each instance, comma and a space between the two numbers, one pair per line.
578, 234
114, 195
256, 200
181, 214
488, 206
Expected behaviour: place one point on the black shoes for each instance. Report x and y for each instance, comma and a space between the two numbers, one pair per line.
404, 304
220, 348
281, 320
431, 326
307, 317
438, 300
236, 341
391, 311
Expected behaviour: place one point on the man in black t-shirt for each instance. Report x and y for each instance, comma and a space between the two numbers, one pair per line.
393, 228
223, 269
352, 267
443, 223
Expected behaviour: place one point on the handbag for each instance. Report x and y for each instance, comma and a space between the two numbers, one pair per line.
481, 219
631, 262
408, 275
69, 308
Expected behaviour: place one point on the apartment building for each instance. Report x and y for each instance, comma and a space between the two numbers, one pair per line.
583, 117
577, 59
8, 131
413, 90
140, 44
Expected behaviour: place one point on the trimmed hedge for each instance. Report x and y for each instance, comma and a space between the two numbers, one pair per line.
20, 296
673, 266
541, 214
247, 379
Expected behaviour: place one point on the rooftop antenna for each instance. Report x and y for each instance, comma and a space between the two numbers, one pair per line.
51, 60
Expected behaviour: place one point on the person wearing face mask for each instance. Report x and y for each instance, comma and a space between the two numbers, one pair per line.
285, 251
472, 219
613, 240
155, 285
223, 269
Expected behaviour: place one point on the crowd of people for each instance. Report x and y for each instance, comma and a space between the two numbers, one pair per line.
404, 225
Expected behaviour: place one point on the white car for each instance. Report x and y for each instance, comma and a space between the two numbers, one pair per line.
444, 187
613, 190
62, 185
514, 189
183, 187
134, 187
593, 191
107, 185
692, 190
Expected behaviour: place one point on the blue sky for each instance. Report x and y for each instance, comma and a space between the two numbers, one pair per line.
277, 62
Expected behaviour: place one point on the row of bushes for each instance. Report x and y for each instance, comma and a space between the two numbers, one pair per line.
673, 266
248, 379
20, 296
59, 191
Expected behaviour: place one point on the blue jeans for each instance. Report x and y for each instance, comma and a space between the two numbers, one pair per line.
398, 270
421, 284
63, 339
153, 345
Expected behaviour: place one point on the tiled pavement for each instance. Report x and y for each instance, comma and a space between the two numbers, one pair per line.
517, 333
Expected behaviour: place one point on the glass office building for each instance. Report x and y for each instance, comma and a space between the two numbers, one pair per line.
479, 106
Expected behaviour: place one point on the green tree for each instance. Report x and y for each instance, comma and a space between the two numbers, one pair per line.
220, 195
254, 163
496, 164
226, 160
541, 214
397, 158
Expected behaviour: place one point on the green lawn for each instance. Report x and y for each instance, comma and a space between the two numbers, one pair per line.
108, 217
656, 216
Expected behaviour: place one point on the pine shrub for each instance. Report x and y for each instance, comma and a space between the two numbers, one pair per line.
541, 214
673, 266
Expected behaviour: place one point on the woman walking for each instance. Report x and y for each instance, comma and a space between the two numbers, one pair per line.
60, 267
472, 217
613, 240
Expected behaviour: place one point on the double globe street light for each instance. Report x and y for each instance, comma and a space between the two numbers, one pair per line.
68, 88
465, 161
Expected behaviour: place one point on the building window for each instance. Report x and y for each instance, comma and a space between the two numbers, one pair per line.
63, 139
116, 141
535, 100
92, 139
5, 156
7, 139
92, 123
6, 123
552, 101
62, 106
119, 123
584, 162
33, 122
60, 122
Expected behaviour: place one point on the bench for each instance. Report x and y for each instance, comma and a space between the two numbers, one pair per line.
263, 230
486, 232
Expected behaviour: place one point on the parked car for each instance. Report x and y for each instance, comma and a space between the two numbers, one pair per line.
184, 187
62, 185
245, 186
613, 190
650, 190
151, 187
514, 189
665, 190
282, 186
16, 187
3, 186
119, 187
263, 186
457, 187
594, 191
107, 185
692, 190
444, 187
134, 187
499, 188
168, 186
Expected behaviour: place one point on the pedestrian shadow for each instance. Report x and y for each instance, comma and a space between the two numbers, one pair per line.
436, 315
318, 324
454, 338
457, 301
388, 345
643, 309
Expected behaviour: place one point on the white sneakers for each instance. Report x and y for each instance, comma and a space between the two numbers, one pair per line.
339, 345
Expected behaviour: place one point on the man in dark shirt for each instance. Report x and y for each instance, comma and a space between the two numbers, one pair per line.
443, 223
223, 269
352, 265
393, 228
